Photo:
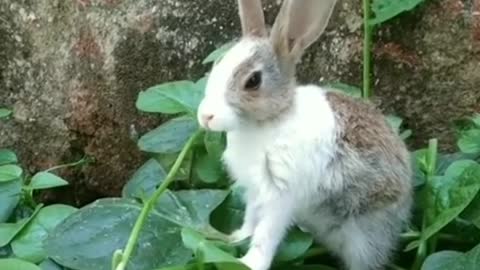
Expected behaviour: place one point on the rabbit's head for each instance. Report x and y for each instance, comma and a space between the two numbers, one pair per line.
255, 82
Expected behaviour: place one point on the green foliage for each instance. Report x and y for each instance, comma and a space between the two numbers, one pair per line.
469, 141
24, 224
28, 244
45, 180
5, 112
217, 54
10, 172
169, 137
171, 98
453, 260
387, 9
179, 220
15, 264
7, 157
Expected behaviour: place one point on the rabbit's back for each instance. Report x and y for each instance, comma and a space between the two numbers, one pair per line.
370, 160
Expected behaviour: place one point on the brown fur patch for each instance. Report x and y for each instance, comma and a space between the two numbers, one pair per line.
275, 95
372, 160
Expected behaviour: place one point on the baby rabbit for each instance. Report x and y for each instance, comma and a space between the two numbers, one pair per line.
305, 156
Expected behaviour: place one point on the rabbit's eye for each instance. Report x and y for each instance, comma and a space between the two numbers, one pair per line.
253, 83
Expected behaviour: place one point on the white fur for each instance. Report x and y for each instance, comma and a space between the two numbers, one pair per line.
279, 164
214, 102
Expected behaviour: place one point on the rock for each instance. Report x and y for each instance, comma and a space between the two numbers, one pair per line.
72, 70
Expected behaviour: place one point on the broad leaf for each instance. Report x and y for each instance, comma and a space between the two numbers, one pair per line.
229, 215
9, 197
210, 253
88, 238
208, 168
45, 180
4, 112
386, 9
28, 245
145, 180
294, 245
215, 143
7, 157
10, 172
50, 265
449, 195
472, 212
437, 261
217, 54
395, 122
191, 208
476, 119
169, 137
9, 230
469, 141
452, 260
16, 264
170, 98
201, 84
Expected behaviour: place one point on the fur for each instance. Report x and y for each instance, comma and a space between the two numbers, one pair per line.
320, 160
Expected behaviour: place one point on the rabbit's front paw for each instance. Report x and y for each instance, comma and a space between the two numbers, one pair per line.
255, 261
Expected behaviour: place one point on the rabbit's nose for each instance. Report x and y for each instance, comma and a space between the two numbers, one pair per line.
207, 118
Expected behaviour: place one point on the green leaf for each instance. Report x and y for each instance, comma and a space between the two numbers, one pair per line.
28, 245
16, 264
5, 112
294, 245
469, 141
50, 265
10, 172
9, 230
452, 260
437, 261
476, 119
88, 238
343, 88
208, 168
217, 54
9, 197
215, 143
145, 180
472, 212
228, 216
45, 180
395, 122
170, 98
169, 137
449, 195
210, 253
386, 9
191, 208
7, 157
201, 84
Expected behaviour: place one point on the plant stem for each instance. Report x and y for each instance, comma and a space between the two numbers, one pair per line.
431, 243
151, 202
72, 164
367, 50
432, 166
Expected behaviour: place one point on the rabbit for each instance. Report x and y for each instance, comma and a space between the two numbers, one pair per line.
305, 156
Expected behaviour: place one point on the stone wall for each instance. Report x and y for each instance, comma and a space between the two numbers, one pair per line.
71, 70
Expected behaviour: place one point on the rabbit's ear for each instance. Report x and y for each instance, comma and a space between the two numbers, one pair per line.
252, 18
298, 24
